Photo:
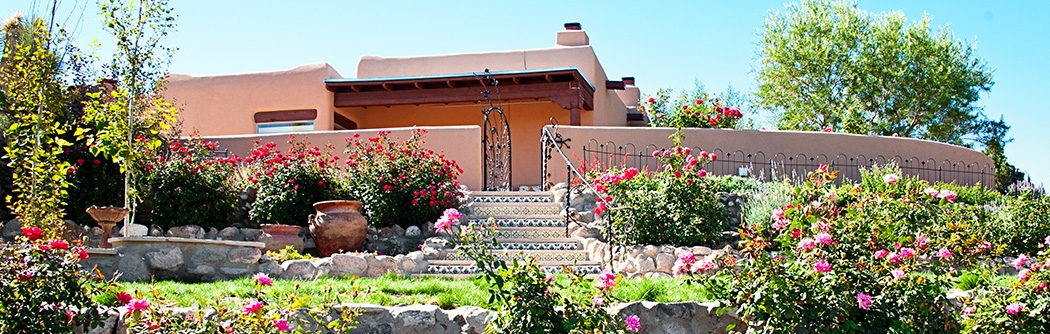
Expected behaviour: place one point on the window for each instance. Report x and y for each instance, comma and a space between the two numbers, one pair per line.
284, 127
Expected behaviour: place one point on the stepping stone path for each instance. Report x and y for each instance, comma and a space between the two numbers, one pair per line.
529, 224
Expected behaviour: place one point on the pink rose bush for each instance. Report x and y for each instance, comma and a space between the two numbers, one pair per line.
1021, 307
876, 257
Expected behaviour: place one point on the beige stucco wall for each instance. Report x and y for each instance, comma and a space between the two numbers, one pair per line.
449, 140
226, 104
526, 118
609, 110
807, 149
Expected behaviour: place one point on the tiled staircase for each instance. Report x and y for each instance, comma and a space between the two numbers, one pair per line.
528, 225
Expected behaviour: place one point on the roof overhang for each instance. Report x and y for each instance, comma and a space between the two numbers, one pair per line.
565, 86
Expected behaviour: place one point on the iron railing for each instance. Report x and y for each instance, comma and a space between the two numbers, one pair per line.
554, 142
781, 165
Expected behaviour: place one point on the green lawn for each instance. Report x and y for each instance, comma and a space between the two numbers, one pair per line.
392, 290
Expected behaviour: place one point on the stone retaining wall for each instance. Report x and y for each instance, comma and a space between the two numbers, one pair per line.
146, 258
655, 318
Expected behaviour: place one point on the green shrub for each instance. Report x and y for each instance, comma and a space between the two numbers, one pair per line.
287, 253
94, 181
191, 187
762, 201
871, 257
1022, 223
676, 206
288, 184
400, 182
973, 195
1020, 308
42, 289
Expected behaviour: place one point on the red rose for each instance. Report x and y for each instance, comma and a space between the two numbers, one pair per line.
33, 233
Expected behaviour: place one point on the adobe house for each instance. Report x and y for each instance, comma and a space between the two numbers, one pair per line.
565, 82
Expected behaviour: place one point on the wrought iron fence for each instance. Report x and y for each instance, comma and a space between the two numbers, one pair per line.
794, 166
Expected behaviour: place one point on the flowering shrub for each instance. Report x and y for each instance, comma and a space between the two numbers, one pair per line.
676, 205
289, 183
1024, 220
42, 289
260, 314
695, 110
1021, 308
872, 257
400, 182
190, 186
529, 300
92, 181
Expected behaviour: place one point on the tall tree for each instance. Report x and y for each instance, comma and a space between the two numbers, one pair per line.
829, 64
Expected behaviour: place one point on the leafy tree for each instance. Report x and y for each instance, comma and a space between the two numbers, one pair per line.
129, 121
829, 64
35, 99
993, 138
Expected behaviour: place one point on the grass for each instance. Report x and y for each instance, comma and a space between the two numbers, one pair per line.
391, 291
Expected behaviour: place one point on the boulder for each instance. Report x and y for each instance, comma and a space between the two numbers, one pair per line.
350, 264
187, 231
298, 269
413, 232
12, 228
687, 317
168, 259
245, 255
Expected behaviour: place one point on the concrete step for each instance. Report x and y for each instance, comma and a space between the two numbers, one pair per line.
452, 268
529, 232
532, 221
511, 197
541, 255
513, 210
545, 244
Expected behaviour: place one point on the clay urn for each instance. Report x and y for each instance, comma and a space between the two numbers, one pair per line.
278, 236
338, 226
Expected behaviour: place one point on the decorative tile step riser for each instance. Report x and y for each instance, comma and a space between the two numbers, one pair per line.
507, 256
470, 269
547, 246
487, 211
512, 199
529, 234
523, 222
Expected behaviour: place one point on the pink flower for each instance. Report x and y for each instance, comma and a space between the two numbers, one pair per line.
702, 173
806, 245
263, 279
651, 100
822, 266
898, 274
253, 306
907, 252
827, 129
947, 194
597, 300
921, 241
1014, 309
282, 325
58, 244
890, 178
630, 173
714, 157
82, 253
895, 258
606, 280
443, 225
863, 300
704, 154
778, 213
34, 233
968, 311
931, 192
795, 233
881, 253
944, 253
781, 224
1047, 242
823, 238
823, 168
704, 265
134, 305
632, 323
549, 277
1024, 275
1020, 261
452, 214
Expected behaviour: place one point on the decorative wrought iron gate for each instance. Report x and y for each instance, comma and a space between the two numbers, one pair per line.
495, 143
495, 140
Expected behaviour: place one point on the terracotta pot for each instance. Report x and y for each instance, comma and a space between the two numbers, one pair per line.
338, 226
277, 237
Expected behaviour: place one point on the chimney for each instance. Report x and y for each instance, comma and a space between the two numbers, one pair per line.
573, 35
630, 94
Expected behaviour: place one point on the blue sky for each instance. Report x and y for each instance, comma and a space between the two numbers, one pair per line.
662, 44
